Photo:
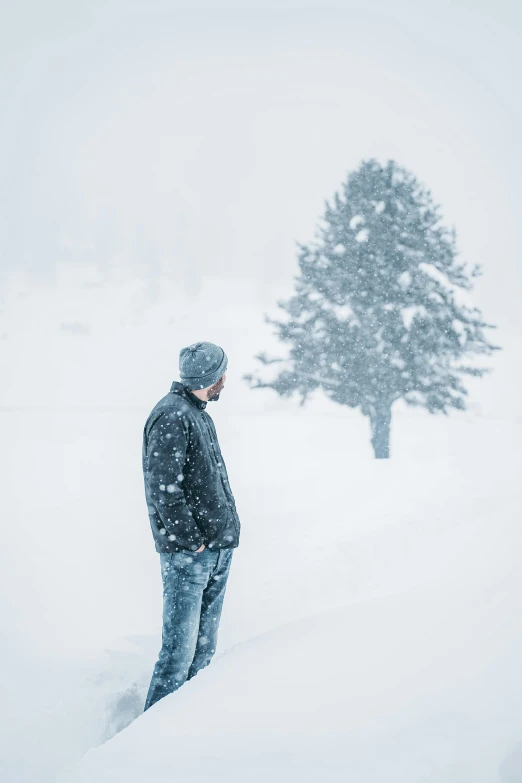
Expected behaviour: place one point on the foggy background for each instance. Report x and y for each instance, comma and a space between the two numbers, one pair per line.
203, 138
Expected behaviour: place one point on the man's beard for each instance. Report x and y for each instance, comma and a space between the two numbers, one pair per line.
214, 392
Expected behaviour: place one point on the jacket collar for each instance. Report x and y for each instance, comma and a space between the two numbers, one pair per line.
185, 392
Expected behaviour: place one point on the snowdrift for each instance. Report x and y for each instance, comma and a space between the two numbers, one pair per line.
420, 685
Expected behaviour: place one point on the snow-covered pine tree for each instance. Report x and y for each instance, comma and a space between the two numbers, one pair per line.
378, 312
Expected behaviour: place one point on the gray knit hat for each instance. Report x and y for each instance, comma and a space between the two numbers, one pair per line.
201, 365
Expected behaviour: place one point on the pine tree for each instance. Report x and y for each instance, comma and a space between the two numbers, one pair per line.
379, 311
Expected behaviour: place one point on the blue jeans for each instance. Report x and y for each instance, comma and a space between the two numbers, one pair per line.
194, 587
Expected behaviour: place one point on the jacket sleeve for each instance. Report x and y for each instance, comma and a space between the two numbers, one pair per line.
166, 452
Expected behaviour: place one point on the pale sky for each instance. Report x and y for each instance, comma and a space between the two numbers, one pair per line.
206, 137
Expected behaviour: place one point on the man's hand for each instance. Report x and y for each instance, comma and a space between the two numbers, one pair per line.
201, 548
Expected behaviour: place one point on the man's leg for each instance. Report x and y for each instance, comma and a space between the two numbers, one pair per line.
211, 606
185, 576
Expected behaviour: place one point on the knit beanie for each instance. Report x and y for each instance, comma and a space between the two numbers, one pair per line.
201, 365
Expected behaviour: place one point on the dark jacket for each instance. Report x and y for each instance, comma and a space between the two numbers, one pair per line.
188, 495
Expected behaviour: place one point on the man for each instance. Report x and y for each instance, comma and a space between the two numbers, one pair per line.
193, 516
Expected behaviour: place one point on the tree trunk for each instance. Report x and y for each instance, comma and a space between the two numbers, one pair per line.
380, 421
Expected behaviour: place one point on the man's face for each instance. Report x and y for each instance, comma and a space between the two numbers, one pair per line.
215, 390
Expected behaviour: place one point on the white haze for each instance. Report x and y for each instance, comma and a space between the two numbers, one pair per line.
160, 161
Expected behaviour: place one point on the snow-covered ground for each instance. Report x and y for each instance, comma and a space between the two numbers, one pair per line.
419, 685
397, 627
371, 627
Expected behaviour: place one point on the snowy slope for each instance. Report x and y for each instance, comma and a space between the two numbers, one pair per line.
421, 685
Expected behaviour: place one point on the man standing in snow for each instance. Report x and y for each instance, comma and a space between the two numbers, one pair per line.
193, 516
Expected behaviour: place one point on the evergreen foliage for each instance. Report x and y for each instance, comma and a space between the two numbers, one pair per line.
379, 311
